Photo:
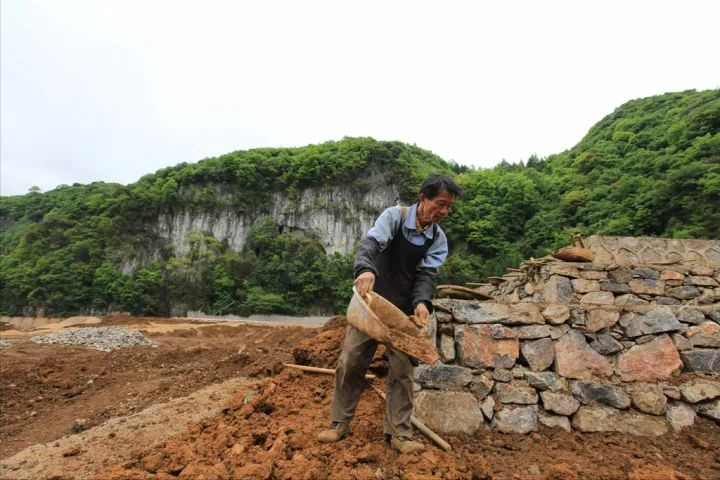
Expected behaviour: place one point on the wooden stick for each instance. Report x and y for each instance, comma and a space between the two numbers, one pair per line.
420, 426
331, 371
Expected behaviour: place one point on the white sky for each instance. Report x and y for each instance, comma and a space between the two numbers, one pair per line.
112, 90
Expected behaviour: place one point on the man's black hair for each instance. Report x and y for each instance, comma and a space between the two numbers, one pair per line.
436, 183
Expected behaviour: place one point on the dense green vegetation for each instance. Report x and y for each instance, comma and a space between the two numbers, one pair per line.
652, 167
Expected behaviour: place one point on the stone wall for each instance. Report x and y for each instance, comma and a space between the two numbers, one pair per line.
578, 346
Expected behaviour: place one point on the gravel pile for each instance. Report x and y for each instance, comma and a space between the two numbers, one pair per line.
4, 344
101, 338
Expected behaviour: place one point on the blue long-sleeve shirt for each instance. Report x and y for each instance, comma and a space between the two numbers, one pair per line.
387, 224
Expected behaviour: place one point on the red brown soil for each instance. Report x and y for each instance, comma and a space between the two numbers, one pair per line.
270, 433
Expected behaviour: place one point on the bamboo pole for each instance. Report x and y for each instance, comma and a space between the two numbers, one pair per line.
331, 371
420, 426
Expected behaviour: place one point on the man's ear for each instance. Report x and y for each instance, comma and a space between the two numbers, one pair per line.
422, 197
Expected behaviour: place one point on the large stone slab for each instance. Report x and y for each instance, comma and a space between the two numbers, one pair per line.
654, 360
445, 377
606, 419
532, 332
539, 354
701, 360
447, 348
556, 314
656, 320
481, 346
516, 419
647, 286
559, 403
554, 421
699, 390
710, 410
680, 415
545, 381
574, 358
610, 395
648, 398
516, 392
598, 298
498, 313
691, 316
448, 412
584, 286
598, 318
557, 289
707, 334
683, 293
701, 281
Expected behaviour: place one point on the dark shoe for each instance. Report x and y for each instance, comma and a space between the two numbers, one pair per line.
336, 432
406, 445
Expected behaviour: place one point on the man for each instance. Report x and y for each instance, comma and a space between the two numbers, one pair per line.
399, 260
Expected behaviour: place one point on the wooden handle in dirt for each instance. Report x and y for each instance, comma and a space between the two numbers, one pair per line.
331, 371
421, 426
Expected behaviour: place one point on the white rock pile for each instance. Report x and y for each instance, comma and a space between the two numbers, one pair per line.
104, 339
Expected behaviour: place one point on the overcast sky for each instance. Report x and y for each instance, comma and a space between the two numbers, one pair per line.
112, 90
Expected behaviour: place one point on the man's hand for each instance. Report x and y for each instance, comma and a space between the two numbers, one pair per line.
364, 283
422, 315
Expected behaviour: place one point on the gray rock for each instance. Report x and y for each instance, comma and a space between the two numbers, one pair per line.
105, 339
701, 360
516, 392
598, 298
559, 331
447, 348
656, 320
606, 344
681, 343
648, 398
502, 375
629, 299
449, 412
710, 410
713, 314
519, 371
554, 421
545, 381
699, 390
486, 312
679, 416
660, 300
559, 403
644, 339
700, 281
532, 332
488, 408
446, 377
516, 419
644, 272
607, 286
647, 287
482, 385
606, 419
683, 293
609, 395
620, 275
557, 290
578, 318
706, 296
539, 354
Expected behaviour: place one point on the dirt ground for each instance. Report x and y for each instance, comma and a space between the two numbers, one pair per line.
263, 425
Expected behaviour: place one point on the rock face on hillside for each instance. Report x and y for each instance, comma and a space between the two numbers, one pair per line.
337, 217
629, 343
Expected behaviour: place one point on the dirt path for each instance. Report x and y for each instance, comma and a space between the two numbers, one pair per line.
84, 455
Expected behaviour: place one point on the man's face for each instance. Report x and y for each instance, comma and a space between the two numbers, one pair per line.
435, 209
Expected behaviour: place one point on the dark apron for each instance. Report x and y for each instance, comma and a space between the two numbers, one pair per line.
397, 268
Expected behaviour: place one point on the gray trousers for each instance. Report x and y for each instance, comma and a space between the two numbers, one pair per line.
356, 355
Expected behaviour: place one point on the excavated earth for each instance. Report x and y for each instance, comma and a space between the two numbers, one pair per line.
214, 402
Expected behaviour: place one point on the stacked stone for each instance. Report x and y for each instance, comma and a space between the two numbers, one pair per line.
633, 349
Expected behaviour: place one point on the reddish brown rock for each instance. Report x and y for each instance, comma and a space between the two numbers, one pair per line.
574, 358
702, 270
486, 346
670, 275
653, 360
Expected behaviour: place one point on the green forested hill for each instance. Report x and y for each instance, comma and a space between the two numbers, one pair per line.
652, 167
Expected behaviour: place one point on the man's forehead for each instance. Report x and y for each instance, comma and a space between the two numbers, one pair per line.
445, 195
